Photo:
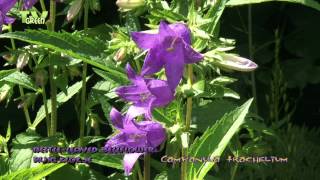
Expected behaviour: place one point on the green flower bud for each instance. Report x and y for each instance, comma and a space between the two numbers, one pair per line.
74, 9
129, 4
120, 55
22, 60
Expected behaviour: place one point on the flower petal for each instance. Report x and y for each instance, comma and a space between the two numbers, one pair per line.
5, 6
9, 20
144, 40
182, 31
135, 111
165, 30
153, 63
138, 80
131, 93
191, 56
156, 134
174, 64
160, 89
116, 118
129, 160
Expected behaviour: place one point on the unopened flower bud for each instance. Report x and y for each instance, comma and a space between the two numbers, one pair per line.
74, 9
8, 57
41, 77
4, 91
129, 4
22, 60
237, 63
120, 55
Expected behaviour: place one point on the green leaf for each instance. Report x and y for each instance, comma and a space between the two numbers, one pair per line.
74, 45
213, 142
310, 3
168, 15
35, 173
109, 160
160, 116
22, 153
5, 73
214, 13
61, 98
89, 140
111, 77
20, 78
204, 115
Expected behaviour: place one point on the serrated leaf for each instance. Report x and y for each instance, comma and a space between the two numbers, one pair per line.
111, 77
74, 45
35, 173
310, 3
89, 140
215, 139
109, 160
61, 98
22, 154
20, 78
5, 73
204, 115
214, 13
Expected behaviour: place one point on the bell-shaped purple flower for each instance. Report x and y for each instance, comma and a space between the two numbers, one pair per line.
169, 48
145, 94
5, 6
142, 135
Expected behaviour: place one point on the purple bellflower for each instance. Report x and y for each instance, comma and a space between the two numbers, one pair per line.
144, 134
170, 48
27, 4
5, 6
145, 94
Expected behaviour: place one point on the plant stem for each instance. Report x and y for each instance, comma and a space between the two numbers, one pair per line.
251, 55
187, 123
84, 81
43, 6
25, 108
53, 126
44, 99
146, 167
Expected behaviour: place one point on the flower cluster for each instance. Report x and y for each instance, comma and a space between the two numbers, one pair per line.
170, 49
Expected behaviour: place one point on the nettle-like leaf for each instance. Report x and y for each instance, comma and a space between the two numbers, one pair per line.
35, 173
215, 139
214, 13
22, 154
21, 79
108, 160
78, 46
207, 113
61, 98
310, 3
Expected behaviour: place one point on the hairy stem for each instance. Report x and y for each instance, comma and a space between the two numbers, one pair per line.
146, 167
187, 124
84, 82
44, 99
251, 55
43, 6
25, 108
53, 124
